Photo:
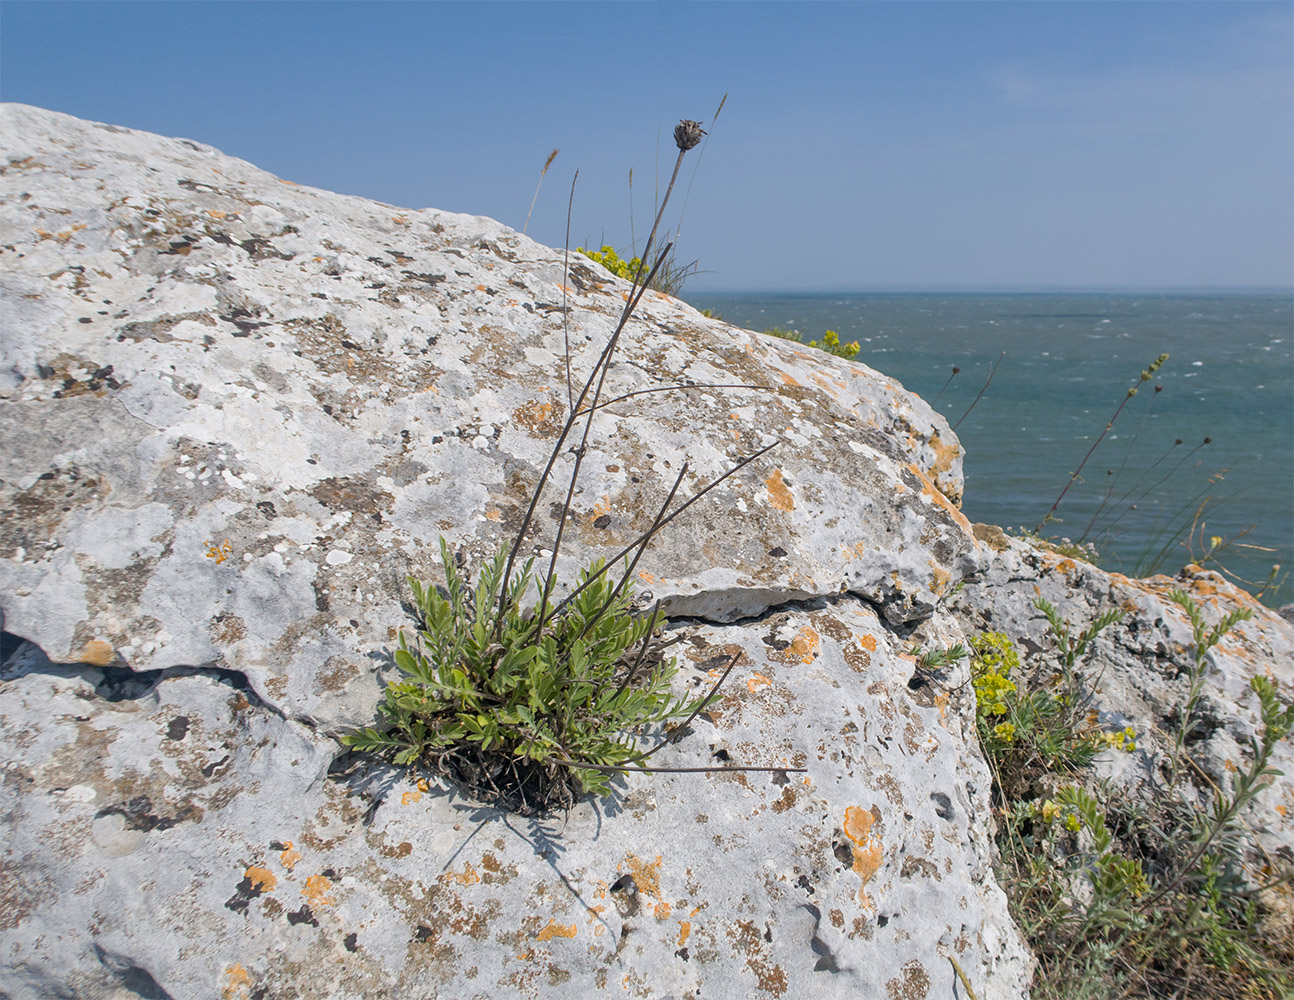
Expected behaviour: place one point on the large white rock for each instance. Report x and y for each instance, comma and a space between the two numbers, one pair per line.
237, 412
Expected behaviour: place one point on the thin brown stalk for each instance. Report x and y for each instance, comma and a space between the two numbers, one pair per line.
1144, 377
547, 163
992, 372
566, 313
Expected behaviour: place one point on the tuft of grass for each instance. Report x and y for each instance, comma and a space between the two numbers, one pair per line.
530, 701
1119, 899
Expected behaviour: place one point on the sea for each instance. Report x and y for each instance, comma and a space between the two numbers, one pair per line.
1197, 466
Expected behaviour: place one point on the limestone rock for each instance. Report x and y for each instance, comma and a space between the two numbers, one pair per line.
238, 412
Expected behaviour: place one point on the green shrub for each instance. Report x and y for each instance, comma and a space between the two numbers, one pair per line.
612, 261
498, 686
1117, 899
830, 341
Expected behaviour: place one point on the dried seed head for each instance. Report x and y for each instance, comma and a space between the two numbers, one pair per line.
687, 134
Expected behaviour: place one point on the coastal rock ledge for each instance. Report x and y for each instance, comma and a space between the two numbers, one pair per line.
237, 412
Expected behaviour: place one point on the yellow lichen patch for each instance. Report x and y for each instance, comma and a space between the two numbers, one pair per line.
238, 984
851, 552
97, 653
756, 682
554, 929
316, 890
779, 494
289, 857
934, 493
867, 848
262, 879
468, 876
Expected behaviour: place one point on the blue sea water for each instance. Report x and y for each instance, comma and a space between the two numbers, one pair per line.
1067, 361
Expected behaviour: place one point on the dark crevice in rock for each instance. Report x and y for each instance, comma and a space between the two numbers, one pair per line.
116, 683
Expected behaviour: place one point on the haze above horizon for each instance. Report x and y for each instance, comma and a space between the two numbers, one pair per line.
863, 146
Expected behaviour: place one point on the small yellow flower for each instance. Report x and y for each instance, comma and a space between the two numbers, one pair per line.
1005, 732
1073, 823
1050, 810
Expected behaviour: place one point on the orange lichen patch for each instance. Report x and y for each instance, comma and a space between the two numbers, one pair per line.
851, 552
239, 983
945, 455
415, 793
940, 577
289, 857
934, 493
779, 494
554, 929
603, 506
868, 642
684, 929
1281, 809
536, 417
787, 379
756, 682
494, 515
867, 848
399, 220
219, 552
262, 879
941, 702
97, 653
1067, 565
481, 288
468, 876
646, 874
316, 890
804, 647
662, 910
289, 183
214, 214
646, 577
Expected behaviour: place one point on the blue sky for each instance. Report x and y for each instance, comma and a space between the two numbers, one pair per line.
862, 146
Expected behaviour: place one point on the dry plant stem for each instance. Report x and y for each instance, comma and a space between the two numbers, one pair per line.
646, 539
1109, 492
675, 388
956, 370
992, 372
664, 521
600, 372
566, 314
1145, 377
962, 976
547, 163
598, 367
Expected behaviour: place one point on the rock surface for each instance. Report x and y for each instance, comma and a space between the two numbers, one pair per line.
237, 412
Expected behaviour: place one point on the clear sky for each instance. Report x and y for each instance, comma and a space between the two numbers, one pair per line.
863, 145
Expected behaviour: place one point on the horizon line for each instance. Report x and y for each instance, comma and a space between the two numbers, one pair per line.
1017, 290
